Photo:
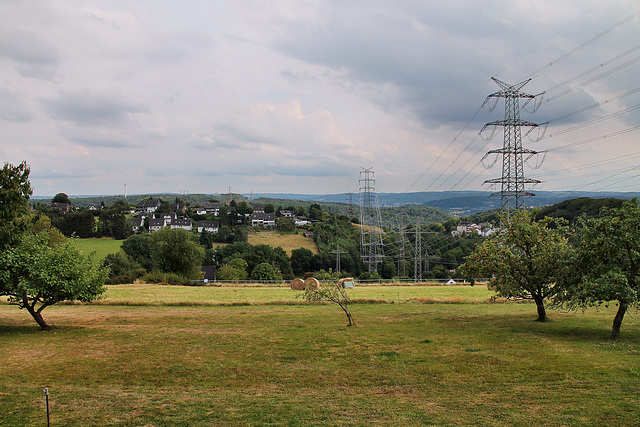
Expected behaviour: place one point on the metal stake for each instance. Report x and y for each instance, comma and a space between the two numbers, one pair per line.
46, 394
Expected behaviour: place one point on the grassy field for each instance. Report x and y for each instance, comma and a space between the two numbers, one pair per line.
149, 294
102, 247
297, 365
288, 242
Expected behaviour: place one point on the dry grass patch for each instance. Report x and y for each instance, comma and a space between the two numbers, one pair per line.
288, 242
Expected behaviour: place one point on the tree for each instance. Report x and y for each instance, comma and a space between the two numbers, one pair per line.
38, 267
36, 274
113, 224
265, 271
606, 265
61, 198
173, 251
286, 225
315, 211
15, 190
301, 261
330, 293
138, 248
236, 269
522, 260
165, 207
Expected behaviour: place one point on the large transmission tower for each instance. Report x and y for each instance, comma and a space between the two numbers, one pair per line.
371, 246
512, 183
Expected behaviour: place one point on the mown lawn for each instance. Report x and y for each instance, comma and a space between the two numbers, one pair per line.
404, 364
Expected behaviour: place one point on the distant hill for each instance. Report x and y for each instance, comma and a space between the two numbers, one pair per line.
456, 202
460, 203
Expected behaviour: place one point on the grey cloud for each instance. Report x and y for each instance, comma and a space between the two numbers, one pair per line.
105, 138
12, 108
35, 56
92, 108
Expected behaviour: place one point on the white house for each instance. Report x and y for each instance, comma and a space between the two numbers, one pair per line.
210, 226
263, 219
184, 223
156, 224
149, 206
301, 221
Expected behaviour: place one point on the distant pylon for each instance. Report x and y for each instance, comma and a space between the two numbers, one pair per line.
512, 183
338, 252
371, 246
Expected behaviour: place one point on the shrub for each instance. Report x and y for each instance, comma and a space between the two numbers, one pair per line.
166, 278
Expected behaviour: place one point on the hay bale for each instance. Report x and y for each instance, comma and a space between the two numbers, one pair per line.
347, 282
312, 283
297, 285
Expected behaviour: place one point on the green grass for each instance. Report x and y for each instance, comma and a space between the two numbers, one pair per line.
102, 247
147, 294
297, 365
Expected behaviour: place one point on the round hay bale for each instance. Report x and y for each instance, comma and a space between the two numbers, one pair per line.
311, 283
297, 285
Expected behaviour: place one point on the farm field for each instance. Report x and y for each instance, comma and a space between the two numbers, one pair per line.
287, 242
277, 364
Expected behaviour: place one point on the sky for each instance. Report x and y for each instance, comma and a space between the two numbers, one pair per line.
300, 96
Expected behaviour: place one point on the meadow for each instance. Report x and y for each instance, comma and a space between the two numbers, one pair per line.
463, 361
100, 247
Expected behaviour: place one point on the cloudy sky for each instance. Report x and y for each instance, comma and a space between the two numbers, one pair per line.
297, 96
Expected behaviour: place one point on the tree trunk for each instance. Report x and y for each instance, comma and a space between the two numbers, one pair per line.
351, 322
542, 312
38, 318
617, 321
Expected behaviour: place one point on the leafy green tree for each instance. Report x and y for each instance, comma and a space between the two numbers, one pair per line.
35, 274
236, 269
61, 198
285, 225
38, 267
165, 207
269, 208
301, 261
120, 206
265, 271
523, 260
606, 265
15, 190
113, 224
78, 223
138, 248
173, 251
315, 211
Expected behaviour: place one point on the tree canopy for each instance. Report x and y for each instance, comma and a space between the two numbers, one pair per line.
522, 260
61, 198
606, 264
173, 251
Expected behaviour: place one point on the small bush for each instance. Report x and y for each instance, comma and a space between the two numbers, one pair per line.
127, 277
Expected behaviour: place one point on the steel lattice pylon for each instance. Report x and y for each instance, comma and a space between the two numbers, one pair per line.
512, 183
371, 246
